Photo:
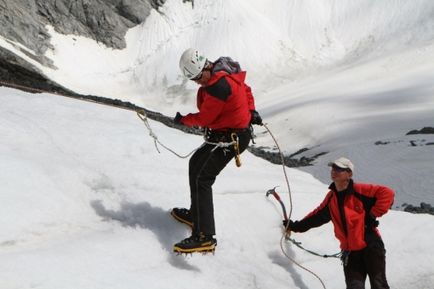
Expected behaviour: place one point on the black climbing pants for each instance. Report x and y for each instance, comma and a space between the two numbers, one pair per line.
204, 166
370, 261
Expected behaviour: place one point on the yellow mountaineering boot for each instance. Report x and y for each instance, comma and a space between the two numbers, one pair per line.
196, 243
182, 215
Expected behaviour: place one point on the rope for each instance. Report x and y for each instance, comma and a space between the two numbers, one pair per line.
298, 244
142, 115
284, 234
284, 169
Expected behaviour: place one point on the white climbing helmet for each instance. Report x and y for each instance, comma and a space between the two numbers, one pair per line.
191, 63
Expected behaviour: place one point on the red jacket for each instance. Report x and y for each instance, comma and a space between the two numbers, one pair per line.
352, 212
225, 102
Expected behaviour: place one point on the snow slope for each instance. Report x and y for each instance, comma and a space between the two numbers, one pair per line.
85, 198
283, 43
331, 77
85, 195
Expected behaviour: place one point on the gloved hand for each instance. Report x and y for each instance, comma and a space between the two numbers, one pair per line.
287, 230
255, 118
177, 119
285, 223
371, 222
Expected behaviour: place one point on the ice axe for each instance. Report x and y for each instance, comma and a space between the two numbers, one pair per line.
277, 197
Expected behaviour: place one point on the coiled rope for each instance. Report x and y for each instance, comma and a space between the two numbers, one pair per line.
284, 233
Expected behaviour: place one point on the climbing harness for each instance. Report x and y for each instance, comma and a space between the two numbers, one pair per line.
284, 234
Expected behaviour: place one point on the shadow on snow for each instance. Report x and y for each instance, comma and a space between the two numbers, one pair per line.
155, 219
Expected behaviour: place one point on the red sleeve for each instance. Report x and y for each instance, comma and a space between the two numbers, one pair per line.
209, 110
250, 99
323, 204
316, 218
384, 200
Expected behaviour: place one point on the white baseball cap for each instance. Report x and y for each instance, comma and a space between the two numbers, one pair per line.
342, 163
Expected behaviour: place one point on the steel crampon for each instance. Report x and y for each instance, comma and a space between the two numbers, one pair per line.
203, 252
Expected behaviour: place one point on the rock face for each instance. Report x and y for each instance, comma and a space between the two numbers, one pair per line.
20, 22
103, 20
17, 73
24, 22
424, 208
425, 130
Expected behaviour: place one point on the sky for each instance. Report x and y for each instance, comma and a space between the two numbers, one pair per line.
86, 195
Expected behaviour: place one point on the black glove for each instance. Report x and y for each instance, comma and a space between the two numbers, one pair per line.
177, 119
371, 222
256, 118
285, 222
287, 228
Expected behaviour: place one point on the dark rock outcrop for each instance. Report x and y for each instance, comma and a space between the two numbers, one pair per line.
424, 208
105, 21
425, 130
23, 26
16, 72
289, 160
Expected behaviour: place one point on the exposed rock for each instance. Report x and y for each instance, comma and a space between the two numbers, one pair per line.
290, 161
425, 130
424, 208
20, 22
105, 21
382, 142
16, 72
23, 25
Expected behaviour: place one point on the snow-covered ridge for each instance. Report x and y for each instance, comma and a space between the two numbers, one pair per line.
273, 42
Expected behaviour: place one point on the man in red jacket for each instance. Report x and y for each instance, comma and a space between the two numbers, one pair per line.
353, 209
226, 110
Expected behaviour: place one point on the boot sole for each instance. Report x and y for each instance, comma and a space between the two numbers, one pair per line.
204, 249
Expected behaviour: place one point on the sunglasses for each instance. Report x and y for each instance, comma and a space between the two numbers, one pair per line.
339, 169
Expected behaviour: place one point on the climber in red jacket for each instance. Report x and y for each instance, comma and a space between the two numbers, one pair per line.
226, 109
353, 209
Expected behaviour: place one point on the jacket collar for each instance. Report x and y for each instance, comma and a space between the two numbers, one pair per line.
349, 190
